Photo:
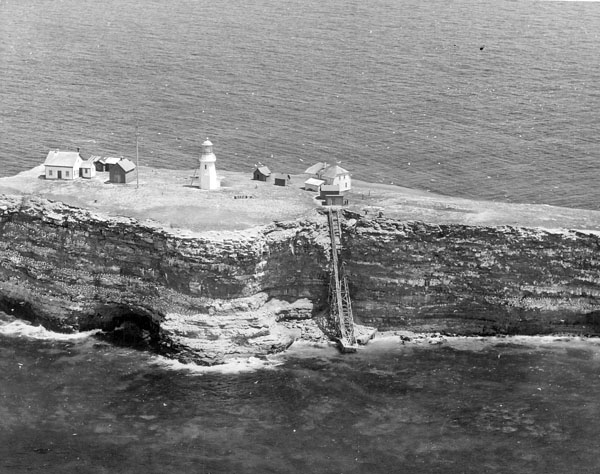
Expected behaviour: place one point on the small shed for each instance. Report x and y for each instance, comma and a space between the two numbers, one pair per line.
331, 195
106, 163
98, 163
313, 184
122, 171
328, 189
280, 179
87, 169
335, 200
261, 173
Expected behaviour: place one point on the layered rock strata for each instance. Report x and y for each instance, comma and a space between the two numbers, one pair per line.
473, 280
211, 296
202, 297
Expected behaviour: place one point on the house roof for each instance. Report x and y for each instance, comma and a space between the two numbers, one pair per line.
314, 181
333, 171
87, 164
314, 169
62, 158
330, 187
110, 160
264, 170
126, 165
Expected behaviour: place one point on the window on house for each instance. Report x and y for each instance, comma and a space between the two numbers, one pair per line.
49, 172
205, 166
67, 174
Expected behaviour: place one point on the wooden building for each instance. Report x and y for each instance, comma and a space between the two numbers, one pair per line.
330, 175
87, 169
280, 179
98, 163
336, 175
335, 200
106, 163
315, 170
62, 164
331, 195
261, 173
122, 172
313, 184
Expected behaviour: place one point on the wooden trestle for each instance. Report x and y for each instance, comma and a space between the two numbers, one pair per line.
340, 305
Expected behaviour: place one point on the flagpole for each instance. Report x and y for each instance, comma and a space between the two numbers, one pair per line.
137, 157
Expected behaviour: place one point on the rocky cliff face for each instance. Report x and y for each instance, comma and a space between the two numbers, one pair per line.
203, 298
473, 280
207, 297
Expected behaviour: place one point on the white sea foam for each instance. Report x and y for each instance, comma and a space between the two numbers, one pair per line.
232, 366
387, 340
18, 328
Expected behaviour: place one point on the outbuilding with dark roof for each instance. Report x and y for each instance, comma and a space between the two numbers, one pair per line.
261, 173
280, 179
122, 171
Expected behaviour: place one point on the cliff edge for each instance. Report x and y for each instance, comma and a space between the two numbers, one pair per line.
207, 294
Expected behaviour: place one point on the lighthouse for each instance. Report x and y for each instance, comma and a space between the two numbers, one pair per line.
208, 172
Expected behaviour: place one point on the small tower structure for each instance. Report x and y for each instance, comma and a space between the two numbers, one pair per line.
208, 172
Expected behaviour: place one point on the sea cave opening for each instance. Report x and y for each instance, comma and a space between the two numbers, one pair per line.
131, 329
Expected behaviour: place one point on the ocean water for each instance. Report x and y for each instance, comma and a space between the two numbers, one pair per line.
492, 100
489, 100
503, 406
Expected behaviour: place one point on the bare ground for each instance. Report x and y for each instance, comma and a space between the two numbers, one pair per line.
167, 196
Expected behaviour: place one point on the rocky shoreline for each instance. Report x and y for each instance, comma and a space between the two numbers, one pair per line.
207, 297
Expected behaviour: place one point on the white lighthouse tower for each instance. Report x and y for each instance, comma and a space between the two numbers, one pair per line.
208, 172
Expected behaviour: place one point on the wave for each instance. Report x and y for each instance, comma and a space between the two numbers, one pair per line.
13, 327
232, 366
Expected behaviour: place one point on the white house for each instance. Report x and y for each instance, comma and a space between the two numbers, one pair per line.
329, 175
62, 164
336, 175
87, 169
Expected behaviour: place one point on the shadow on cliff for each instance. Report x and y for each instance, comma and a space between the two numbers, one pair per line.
126, 326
